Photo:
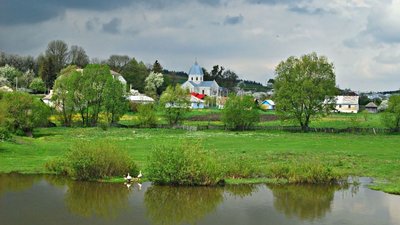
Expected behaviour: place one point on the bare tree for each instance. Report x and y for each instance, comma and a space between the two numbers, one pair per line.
78, 56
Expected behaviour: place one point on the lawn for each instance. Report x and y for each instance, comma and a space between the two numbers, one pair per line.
376, 156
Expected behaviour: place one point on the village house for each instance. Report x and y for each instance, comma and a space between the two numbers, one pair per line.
371, 107
268, 105
347, 104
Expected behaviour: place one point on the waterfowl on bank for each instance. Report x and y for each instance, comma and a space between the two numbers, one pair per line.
139, 175
128, 178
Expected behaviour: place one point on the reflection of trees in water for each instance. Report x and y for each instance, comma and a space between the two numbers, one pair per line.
303, 201
16, 182
178, 205
96, 199
241, 190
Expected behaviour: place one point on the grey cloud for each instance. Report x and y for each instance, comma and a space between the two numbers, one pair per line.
16, 12
275, 2
92, 24
113, 26
308, 11
233, 20
387, 58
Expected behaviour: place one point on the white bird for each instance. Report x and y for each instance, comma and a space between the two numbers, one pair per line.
128, 178
139, 186
140, 175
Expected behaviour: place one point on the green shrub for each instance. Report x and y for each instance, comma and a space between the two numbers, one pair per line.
146, 115
304, 172
5, 135
90, 161
184, 164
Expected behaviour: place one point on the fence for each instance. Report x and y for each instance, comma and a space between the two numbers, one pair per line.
356, 130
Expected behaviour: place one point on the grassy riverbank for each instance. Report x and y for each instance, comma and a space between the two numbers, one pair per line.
376, 156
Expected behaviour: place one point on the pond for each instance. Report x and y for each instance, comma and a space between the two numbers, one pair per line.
51, 200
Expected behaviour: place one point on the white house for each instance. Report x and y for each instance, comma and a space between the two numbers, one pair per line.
196, 83
268, 104
347, 104
196, 102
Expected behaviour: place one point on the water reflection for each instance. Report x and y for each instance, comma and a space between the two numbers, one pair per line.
13, 182
103, 200
241, 190
306, 202
179, 205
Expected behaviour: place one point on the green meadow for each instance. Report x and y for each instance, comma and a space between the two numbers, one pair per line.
376, 156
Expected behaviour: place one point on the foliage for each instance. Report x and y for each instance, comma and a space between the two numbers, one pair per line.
365, 114
47, 70
23, 112
304, 88
135, 74
183, 165
240, 112
146, 115
64, 95
89, 92
10, 73
21, 63
157, 68
304, 172
174, 103
91, 161
5, 135
115, 103
391, 117
153, 82
37, 85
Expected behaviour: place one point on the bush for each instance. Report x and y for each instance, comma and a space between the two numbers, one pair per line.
146, 115
185, 164
5, 135
304, 172
88, 161
240, 112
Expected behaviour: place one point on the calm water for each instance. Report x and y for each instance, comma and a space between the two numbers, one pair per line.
42, 200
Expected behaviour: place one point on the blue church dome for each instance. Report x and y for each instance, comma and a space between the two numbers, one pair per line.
196, 70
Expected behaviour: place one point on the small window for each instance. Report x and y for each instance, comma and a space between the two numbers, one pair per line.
202, 92
197, 78
340, 106
192, 78
349, 106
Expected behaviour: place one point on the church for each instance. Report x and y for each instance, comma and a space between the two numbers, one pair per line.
196, 83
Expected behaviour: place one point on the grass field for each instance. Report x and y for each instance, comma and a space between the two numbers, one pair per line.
376, 156
336, 120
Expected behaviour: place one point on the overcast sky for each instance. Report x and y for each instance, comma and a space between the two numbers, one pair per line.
250, 37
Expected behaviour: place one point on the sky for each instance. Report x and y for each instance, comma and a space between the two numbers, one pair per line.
360, 37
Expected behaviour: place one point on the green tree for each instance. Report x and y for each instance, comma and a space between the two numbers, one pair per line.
135, 74
174, 103
37, 85
240, 112
94, 79
65, 91
23, 112
115, 103
157, 68
47, 70
391, 117
304, 88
